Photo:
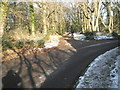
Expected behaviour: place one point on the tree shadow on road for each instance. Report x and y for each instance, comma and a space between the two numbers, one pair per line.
38, 65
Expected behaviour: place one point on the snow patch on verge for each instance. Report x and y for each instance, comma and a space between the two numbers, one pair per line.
101, 37
114, 74
79, 36
82, 37
51, 44
102, 72
54, 41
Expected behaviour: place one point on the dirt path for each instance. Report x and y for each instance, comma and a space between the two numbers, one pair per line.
34, 69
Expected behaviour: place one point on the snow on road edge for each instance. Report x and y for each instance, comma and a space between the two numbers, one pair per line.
82, 37
102, 72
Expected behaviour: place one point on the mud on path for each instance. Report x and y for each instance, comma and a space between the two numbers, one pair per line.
35, 68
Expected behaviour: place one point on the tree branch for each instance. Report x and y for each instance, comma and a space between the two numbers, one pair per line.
51, 13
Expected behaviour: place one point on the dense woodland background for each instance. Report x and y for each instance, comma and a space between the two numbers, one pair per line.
32, 23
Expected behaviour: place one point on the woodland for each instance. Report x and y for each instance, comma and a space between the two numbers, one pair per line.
29, 24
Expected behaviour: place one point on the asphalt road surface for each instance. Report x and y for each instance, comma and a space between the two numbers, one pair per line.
68, 73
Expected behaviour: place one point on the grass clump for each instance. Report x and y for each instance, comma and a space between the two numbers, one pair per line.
19, 44
40, 43
6, 45
31, 43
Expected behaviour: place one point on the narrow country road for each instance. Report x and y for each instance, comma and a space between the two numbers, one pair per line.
68, 73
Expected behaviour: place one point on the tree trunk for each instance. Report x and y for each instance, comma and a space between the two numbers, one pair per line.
44, 20
110, 27
32, 19
98, 15
93, 21
61, 11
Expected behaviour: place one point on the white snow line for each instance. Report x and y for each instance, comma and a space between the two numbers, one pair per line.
101, 37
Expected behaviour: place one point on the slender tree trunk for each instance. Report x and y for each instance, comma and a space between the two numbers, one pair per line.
56, 19
93, 21
110, 27
61, 11
44, 20
98, 15
32, 19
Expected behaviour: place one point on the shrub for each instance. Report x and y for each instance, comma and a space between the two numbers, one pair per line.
115, 35
31, 43
6, 45
6, 36
19, 34
106, 30
89, 35
40, 43
19, 44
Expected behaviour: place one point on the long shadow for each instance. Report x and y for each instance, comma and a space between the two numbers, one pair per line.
38, 61
21, 60
28, 65
52, 59
12, 80
29, 69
